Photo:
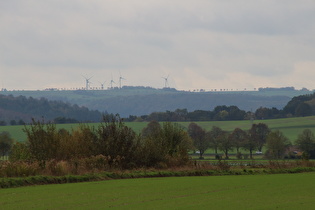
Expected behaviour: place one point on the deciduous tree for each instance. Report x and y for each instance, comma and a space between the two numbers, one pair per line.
306, 141
6, 143
116, 140
43, 140
250, 144
277, 143
153, 128
259, 133
238, 137
198, 135
225, 144
213, 136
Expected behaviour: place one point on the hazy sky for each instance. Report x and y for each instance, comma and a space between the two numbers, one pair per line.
200, 44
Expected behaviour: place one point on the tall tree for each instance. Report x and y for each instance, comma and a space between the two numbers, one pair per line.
198, 136
306, 141
153, 128
259, 133
250, 144
277, 143
225, 144
238, 137
213, 136
170, 143
117, 140
43, 140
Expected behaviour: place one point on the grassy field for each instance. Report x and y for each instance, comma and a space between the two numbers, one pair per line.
282, 191
291, 127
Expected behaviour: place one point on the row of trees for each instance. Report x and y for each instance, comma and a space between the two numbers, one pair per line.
219, 139
299, 106
158, 145
162, 145
258, 136
218, 114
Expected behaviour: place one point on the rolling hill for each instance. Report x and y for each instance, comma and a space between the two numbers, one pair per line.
145, 100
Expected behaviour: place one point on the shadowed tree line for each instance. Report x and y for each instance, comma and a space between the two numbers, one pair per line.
254, 139
299, 106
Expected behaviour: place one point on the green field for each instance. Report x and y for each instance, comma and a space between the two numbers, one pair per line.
291, 127
280, 191
18, 134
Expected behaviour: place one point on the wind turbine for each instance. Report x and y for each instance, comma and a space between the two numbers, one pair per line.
102, 85
166, 81
120, 78
111, 83
87, 82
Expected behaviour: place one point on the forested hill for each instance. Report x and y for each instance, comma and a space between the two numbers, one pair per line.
24, 109
145, 100
141, 105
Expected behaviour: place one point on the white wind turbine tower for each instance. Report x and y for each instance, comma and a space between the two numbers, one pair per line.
166, 81
120, 78
111, 83
102, 85
87, 82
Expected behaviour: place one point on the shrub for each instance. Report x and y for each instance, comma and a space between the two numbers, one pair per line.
42, 140
239, 155
20, 152
218, 157
223, 166
18, 169
117, 141
6, 143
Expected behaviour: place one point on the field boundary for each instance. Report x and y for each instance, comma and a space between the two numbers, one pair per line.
11, 182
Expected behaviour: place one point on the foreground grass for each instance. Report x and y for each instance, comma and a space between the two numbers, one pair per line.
285, 191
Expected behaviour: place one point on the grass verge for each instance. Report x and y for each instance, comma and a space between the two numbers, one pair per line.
42, 180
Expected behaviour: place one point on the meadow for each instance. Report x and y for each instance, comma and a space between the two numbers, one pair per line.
291, 127
283, 191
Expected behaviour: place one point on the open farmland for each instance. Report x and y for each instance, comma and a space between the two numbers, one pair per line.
284, 191
291, 127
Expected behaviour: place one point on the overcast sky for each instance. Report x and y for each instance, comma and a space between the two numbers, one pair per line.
206, 44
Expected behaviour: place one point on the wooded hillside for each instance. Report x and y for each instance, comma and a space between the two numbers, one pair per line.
23, 108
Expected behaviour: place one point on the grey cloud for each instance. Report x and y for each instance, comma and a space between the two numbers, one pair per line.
210, 37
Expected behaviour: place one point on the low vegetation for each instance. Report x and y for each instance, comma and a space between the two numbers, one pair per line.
86, 149
33, 174
113, 146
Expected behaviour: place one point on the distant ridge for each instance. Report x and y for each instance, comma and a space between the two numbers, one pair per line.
139, 100
23, 108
